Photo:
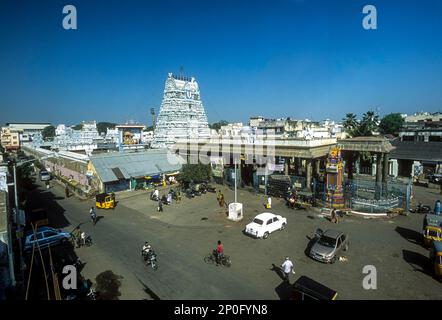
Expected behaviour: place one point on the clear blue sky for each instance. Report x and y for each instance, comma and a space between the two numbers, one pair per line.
298, 58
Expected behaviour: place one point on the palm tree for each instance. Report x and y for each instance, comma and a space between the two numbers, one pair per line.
369, 124
350, 124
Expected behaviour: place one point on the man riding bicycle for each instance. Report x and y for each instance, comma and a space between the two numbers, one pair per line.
219, 252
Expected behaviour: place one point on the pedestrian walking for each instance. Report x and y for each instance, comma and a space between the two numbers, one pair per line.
269, 203
47, 184
169, 198
221, 200
66, 191
287, 267
437, 207
93, 215
160, 206
334, 217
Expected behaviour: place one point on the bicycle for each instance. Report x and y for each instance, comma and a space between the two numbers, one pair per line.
224, 260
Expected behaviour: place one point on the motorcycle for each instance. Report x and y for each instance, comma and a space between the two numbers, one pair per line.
150, 259
421, 209
190, 193
88, 241
210, 188
91, 295
153, 197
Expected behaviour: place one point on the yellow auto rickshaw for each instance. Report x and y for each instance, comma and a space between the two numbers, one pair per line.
436, 258
432, 229
105, 200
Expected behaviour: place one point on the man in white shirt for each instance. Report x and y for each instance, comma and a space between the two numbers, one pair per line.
83, 238
287, 267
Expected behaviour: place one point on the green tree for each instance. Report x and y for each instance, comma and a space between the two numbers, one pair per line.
103, 126
391, 123
217, 125
350, 124
366, 127
369, 124
195, 172
48, 132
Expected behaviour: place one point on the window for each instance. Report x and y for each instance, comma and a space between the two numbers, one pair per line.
270, 221
275, 219
50, 234
39, 236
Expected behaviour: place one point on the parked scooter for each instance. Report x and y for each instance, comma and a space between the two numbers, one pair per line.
190, 193
210, 188
421, 209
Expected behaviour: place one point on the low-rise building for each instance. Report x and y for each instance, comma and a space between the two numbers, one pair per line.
424, 117
10, 138
27, 130
118, 171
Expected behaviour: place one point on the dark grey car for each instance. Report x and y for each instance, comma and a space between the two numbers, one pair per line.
328, 245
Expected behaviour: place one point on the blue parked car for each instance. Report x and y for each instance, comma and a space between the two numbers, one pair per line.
46, 236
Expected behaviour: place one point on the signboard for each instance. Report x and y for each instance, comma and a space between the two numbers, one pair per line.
217, 166
275, 167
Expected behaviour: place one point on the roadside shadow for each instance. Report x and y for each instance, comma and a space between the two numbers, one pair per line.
284, 290
278, 271
410, 235
54, 259
418, 261
42, 198
149, 291
108, 285
99, 218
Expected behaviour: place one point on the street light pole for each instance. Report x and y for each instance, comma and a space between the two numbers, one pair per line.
236, 176
15, 186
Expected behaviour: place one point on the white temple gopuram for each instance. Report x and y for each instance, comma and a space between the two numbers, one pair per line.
182, 114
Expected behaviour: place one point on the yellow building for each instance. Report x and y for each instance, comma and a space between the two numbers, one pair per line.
10, 139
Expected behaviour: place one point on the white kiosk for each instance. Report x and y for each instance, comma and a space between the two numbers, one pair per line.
235, 211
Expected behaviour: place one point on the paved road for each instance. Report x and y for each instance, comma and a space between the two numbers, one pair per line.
118, 237
184, 233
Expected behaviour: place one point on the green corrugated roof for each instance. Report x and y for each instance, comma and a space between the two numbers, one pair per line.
135, 164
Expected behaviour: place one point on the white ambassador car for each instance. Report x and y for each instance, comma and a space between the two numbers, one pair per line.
264, 224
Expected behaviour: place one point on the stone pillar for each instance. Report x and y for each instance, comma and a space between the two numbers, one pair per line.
349, 164
298, 163
358, 163
385, 167
317, 167
286, 166
378, 188
378, 167
309, 174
